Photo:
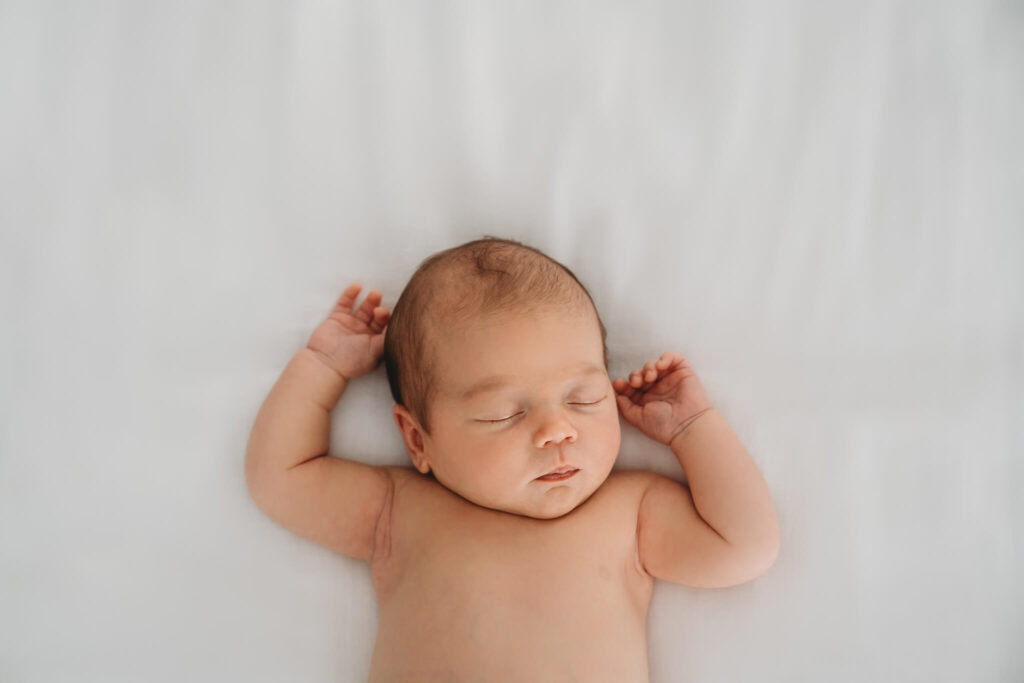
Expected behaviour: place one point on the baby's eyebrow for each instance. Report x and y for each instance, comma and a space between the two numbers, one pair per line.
498, 381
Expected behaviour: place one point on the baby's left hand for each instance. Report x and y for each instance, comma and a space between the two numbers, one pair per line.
662, 398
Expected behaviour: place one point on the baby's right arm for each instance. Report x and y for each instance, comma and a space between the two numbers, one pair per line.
331, 501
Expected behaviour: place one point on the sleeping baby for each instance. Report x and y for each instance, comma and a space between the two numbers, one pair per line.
510, 550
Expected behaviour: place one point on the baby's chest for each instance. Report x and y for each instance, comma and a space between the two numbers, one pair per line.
514, 575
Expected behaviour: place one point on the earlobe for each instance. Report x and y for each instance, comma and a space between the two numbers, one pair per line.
421, 464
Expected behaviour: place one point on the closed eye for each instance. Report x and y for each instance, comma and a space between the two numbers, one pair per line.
506, 419
593, 403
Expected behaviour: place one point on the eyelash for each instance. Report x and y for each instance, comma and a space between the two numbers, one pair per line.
572, 404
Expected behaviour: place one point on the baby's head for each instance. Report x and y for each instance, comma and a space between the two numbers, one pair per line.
494, 329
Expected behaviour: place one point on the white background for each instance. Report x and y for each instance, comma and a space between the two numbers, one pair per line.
820, 206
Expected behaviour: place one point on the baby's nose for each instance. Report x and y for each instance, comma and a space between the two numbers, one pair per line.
555, 429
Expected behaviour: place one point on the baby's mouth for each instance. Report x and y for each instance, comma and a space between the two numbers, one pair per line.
560, 473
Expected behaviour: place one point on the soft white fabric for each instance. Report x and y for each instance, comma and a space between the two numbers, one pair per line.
820, 206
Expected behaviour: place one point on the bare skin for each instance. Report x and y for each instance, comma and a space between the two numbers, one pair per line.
483, 570
467, 593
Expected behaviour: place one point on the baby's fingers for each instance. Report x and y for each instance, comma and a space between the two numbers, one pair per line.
626, 406
381, 316
652, 369
646, 376
621, 386
370, 303
366, 311
670, 360
648, 373
348, 298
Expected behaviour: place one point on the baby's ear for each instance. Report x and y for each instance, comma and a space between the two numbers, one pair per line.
412, 436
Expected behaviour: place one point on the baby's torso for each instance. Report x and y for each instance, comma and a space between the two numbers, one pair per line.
471, 594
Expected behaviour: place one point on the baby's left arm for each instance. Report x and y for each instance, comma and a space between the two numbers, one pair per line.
725, 532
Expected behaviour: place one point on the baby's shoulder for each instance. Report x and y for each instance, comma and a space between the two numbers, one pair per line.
626, 488
401, 476
631, 482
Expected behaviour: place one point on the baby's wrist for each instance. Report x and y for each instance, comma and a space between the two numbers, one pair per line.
325, 362
685, 426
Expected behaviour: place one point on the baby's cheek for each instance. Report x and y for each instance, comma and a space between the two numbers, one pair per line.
607, 430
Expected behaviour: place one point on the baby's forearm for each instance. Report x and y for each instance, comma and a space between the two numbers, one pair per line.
727, 488
294, 423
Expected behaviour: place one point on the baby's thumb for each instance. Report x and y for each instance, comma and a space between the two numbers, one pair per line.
626, 407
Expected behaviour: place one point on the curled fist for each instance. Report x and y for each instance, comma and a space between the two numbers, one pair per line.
662, 398
352, 341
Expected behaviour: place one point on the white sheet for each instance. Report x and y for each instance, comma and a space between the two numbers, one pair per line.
821, 207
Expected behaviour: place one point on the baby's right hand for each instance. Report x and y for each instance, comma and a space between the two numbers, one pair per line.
352, 342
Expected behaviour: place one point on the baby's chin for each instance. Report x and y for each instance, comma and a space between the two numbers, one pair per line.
532, 510
554, 515
556, 504
560, 501
539, 500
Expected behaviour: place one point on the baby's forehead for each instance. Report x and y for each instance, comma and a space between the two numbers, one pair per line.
466, 388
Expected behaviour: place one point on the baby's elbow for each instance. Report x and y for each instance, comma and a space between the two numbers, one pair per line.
765, 558
761, 557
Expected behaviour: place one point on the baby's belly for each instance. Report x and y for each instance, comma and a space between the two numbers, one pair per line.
567, 630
